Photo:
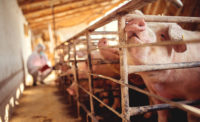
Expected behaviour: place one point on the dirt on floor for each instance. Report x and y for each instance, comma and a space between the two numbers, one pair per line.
43, 103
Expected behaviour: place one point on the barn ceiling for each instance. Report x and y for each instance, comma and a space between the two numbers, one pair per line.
68, 13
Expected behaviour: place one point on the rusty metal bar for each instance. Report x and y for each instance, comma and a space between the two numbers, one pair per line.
97, 61
144, 109
155, 18
100, 101
69, 96
90, 77
88, 112
191, 109
68, 53
76, 80
123, 70
157, 67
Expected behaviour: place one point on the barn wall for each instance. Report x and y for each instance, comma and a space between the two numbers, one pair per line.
14, 50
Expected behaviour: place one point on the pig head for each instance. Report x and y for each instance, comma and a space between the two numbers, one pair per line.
171, 84
108, 53
140, 32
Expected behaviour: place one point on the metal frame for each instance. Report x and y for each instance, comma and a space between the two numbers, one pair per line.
125, 69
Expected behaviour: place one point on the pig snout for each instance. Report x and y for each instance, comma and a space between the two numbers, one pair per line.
102, 42
135, 26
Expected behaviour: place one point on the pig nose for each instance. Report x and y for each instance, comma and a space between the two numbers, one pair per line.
136, 25
141, 23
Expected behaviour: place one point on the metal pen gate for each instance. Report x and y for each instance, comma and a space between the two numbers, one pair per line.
126, 69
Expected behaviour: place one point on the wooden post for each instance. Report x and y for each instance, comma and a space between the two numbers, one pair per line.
123, 70
76, 80
90, 77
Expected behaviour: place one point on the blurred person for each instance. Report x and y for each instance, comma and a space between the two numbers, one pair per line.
38, 65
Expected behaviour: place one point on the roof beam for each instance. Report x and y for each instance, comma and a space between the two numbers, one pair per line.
44, 4
60, 8
77, 18
70, 12
61, 23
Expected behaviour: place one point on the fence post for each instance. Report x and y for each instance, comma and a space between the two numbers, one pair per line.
76, 80
90, 77
123, 70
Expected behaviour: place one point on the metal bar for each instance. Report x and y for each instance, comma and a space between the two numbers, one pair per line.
96, 98
104, 32
69, 53
76, 81
98, 61
90, 77
123, 70
88, 112
77, 60
92, 39
191, 109
69, 96
165, 43
155, 18
144, 109
157, 67
105, 62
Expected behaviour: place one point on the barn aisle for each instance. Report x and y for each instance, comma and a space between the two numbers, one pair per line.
43, 103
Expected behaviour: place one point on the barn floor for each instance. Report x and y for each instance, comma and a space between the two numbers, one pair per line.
43, 103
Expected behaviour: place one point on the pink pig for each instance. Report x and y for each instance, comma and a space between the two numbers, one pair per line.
171, 84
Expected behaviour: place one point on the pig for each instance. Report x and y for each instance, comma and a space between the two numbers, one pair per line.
171, 84
82, 73
108, 53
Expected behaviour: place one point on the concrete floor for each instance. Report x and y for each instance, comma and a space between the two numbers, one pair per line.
43, 103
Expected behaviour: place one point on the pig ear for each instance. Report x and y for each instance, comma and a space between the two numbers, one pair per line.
176, 34
138, 12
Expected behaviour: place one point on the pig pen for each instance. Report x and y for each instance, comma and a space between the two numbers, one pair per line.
126, 110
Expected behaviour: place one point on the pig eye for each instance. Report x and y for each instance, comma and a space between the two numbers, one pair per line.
162, 35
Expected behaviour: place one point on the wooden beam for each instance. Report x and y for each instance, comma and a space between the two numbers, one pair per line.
27, 2
61, 24
60, 8
30, 5
75, 18
69, 12
44, 5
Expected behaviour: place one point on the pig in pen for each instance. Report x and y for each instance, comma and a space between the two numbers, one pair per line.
160, 83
